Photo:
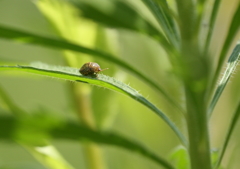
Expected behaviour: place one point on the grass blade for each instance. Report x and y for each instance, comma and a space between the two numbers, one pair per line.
200, 7
229, 133
231, 66
50, 157
211, 24
25, 37
120, 15
72, 74
72, 131
162, 14
8, 101
233, 29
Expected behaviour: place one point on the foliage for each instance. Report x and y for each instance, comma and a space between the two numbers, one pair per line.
80, 28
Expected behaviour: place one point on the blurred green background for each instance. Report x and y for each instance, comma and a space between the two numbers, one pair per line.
113, 111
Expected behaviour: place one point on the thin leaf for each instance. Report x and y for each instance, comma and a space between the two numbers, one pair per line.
231, 66
49, 156
233, 29
119, 15
25, 37
46, 154
162, 14
211, 24
214, 156
200, 7
8, 101
72, 74
229, 134
72, 131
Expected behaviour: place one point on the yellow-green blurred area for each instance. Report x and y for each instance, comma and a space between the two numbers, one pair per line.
112, 111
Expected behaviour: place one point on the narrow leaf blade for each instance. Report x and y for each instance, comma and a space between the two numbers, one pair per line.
72, 74
233, 123
231, 66
73, 131
50, 157
233, 29
211, 24
164, 18
25, 37
120, 15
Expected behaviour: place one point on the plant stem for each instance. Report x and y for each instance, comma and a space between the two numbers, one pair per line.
82, 93
94, 156
92, 151
195, 75
199, 148
82, 98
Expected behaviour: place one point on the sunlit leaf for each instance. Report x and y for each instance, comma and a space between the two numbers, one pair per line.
73, 74
180, 158
118, 14
25, 37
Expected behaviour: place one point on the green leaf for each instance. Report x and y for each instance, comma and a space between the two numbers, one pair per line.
75, 132
233, 29
46, 154
214, 156
231, 66
25, 37
229, 134
8, 101
73, 74
118, 14
49, 156
180, 157
165, 19
200, 8
211, 24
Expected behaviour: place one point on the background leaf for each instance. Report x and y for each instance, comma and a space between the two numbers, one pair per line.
24, 37
180, 157
165, 19
233, 123
72, 131
120, 15
47, 154
213, 17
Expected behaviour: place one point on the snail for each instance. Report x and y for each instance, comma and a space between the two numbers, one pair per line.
90, 68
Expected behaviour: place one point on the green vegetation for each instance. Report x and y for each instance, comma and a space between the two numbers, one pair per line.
173, 56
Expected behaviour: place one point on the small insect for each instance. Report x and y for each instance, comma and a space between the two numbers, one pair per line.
91, 69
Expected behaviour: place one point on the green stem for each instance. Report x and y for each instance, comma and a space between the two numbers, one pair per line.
93, 155
82, 96
199, 148
195, 75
